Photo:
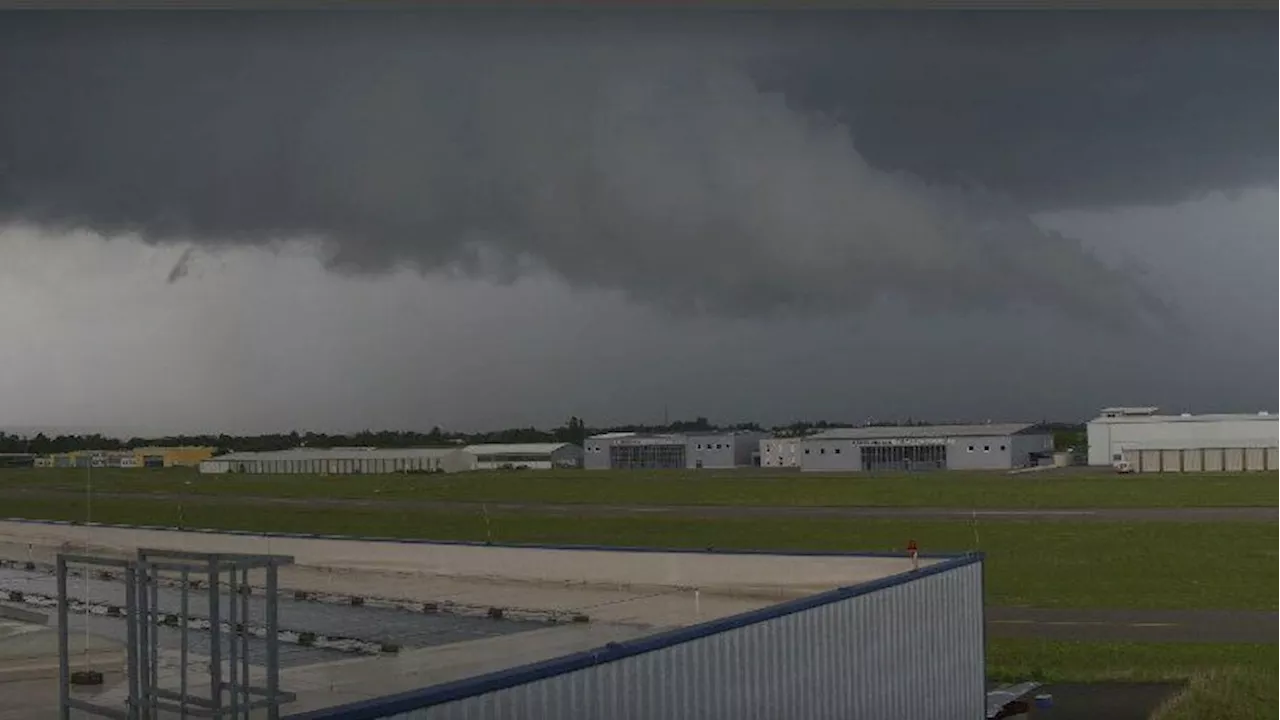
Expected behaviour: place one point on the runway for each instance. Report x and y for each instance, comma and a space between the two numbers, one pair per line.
1198, 626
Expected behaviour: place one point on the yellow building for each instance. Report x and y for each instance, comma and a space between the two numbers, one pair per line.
172, 456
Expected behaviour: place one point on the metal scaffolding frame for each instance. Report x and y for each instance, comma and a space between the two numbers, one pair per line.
233, 697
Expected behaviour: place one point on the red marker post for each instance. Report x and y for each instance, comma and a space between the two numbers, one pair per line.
914, 551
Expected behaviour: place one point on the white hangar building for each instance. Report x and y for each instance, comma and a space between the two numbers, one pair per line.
342, 461
1150, 442
913, 448
367, 461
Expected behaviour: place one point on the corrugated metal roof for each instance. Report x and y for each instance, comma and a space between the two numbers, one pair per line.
337, 454
922, 431
1214, 417
1124, 410
514, 448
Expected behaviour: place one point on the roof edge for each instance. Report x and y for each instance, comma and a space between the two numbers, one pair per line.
412, 700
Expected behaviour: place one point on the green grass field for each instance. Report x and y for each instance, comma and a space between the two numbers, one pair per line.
1063, 489
1043, 564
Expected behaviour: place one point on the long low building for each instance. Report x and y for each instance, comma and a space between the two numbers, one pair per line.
342, 461
989, 446
17, 460
1146, 441
140, 457
367, 461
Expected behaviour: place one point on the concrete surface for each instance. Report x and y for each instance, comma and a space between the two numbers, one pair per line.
38, 699
30, 652
766, 576
14, 612
29, 667
367, 623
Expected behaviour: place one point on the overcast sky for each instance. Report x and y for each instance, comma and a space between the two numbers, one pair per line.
255, 223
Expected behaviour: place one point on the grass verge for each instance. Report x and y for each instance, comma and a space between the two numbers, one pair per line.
1236, 681
746, 487
1065, 661
1233, 693
1058, 564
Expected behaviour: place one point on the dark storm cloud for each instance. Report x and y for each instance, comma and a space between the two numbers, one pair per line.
738, 166
1057, 110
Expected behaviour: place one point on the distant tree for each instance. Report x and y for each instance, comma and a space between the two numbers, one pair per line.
573, 431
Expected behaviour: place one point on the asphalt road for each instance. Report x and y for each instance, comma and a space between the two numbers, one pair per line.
1208, 515
1197, 626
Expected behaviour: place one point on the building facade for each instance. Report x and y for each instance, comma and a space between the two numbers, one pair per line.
1150, 442
724, 450
991, 446
780, 452
141, 457
634, 451
189, 456
527, 456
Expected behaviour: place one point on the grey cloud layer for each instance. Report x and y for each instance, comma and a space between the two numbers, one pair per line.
692, 169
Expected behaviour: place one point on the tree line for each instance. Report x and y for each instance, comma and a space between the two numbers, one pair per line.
574, 430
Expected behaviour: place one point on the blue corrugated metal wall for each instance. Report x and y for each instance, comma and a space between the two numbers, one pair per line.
908, 647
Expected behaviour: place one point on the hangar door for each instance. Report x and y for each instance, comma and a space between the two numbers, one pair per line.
1193, 460
1255, 459
1213, 459
1149, 461
1233, 459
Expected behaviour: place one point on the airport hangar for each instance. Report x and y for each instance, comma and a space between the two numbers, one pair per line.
367, 461
989, 446
1150, 442
672, 451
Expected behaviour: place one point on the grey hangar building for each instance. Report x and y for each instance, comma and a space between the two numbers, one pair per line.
988, 446
672, 451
